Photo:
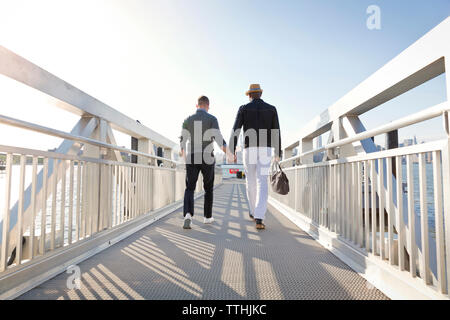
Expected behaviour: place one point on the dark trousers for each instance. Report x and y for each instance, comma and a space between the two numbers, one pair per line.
192, 171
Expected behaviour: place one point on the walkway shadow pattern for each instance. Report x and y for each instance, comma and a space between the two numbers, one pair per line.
228, 259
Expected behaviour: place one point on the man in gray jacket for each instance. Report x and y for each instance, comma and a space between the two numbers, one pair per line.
201, 129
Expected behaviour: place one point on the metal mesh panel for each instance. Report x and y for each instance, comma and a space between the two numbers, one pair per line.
228, 259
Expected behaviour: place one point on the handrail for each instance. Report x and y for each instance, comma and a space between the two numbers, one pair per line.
389, 153
69, 157
420, 116
61, 134
73, 99
423, 60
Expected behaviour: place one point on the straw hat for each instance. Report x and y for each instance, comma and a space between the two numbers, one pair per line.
254, 88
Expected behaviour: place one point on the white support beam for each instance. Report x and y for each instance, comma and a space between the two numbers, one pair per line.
352, 125
305, 145
417, 64
84, 128
112, 154
144, 145
73, 99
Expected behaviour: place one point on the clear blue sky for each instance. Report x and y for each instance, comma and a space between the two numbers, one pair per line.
152, 59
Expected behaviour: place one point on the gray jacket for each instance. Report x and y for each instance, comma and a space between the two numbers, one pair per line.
201, 129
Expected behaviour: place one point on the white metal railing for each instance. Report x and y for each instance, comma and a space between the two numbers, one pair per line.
79, 197
433, 112
346, 196
60, 134
53, 202
391, 206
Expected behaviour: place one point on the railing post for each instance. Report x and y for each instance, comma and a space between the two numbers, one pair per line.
168, 155
144, 145
296, 188
446, 189
288, 152
5, 235
306, 144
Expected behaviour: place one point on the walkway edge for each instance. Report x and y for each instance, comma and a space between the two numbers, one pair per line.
47, 267
388, 279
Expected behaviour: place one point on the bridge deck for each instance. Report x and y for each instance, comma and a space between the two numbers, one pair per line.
229, 259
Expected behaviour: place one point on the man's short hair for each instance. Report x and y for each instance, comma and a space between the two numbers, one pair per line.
203, 101
255, 95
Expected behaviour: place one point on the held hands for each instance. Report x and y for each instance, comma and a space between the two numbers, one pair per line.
231, 158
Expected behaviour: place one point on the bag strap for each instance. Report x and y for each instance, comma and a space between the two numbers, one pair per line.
276, 164
279, 166
273, 168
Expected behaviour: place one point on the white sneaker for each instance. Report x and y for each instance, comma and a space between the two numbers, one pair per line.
208, 220
187, 221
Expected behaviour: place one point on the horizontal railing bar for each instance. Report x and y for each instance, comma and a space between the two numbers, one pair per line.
73, 99
420, 116
61, 156
61, 134
437, 145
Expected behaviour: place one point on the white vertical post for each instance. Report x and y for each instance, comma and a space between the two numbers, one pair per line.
340, 198
85, 201
335, 199
6, 210
360, 206
381, 207
446, 189
127, 193
366, 205
306, 144
295, 189
331, 198
374, 205
390, 210
119, 195
71, 190
63, 202
33, 208
78, 212
411, 217
53, 216
400, 222
425, 273
116, 195
151, 189
353, 202
439, 223
123, 186
42, 245
347, 207
20, 211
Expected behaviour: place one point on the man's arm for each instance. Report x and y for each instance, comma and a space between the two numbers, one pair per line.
218, 136
276, 125
238, 122
184, 137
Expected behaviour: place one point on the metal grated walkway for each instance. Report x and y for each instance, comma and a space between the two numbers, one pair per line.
229, 259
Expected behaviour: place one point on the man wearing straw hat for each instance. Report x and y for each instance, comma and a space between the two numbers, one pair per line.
261, 134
